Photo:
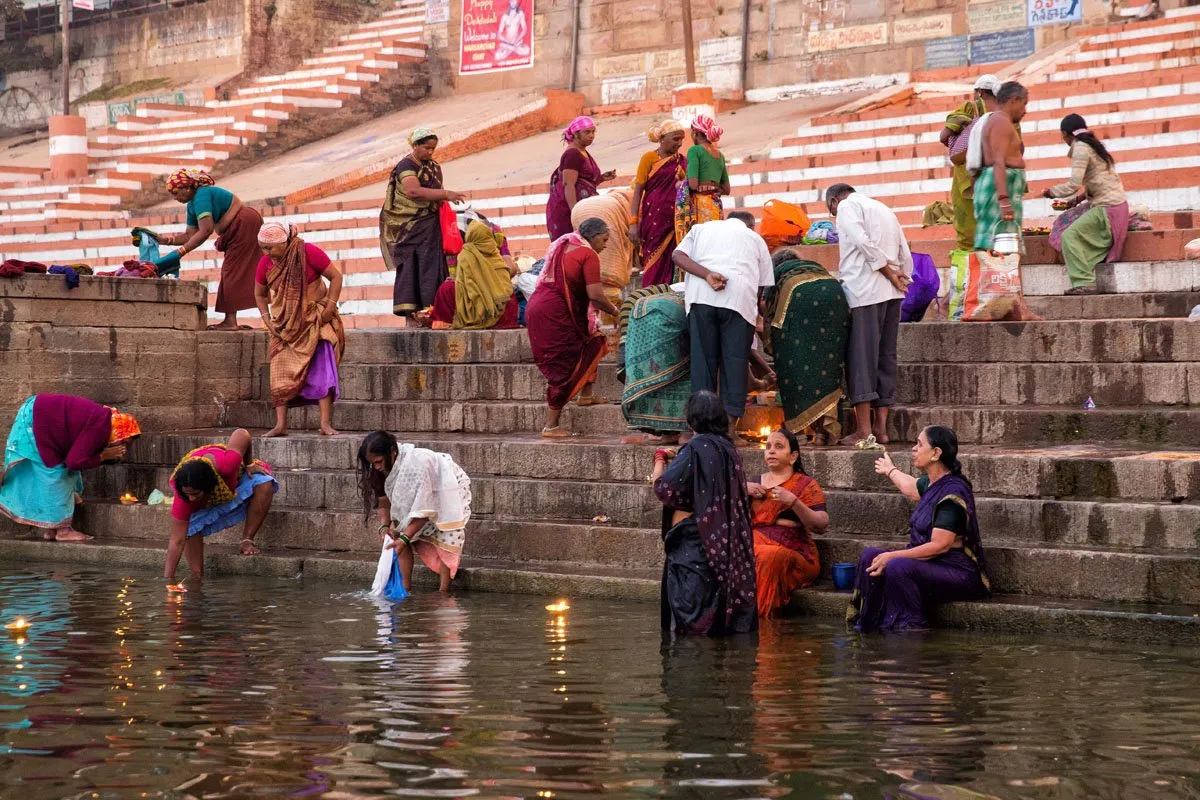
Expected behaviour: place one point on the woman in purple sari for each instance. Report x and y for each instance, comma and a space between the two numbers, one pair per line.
943, 562
652, 207
577, 177
708, 584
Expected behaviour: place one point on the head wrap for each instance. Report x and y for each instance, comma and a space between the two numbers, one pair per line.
124, 426
420, 133
273, 233
709, 127
988, 83
578, 124
667, 126
189, 179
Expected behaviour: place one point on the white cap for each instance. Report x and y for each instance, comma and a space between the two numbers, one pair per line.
988, 83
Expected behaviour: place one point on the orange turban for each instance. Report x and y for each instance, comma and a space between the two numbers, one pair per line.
124, 426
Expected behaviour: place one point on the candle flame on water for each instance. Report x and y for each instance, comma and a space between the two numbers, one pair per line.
18, 626
558, 607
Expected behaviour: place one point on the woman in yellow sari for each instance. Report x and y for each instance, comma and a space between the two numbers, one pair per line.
306, 334
482, 284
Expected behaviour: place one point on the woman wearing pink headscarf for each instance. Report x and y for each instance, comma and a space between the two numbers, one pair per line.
699, 199
577, 177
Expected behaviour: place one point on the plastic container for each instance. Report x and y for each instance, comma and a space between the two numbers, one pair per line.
843, 576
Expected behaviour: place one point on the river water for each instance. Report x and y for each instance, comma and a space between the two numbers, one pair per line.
281, 688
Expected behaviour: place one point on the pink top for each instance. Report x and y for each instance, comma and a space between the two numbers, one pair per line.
317, 263
229, 467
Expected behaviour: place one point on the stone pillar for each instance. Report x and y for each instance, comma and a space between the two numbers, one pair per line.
691, 100
68, 148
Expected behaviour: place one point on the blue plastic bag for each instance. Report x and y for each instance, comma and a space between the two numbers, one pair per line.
923, 291
394, 589
148, 250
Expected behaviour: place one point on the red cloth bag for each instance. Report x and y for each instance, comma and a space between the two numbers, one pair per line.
452, 243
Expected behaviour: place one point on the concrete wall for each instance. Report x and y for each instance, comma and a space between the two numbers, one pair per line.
279, 34
189, 44
632, 50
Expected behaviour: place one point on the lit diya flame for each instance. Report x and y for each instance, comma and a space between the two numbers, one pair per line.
558, 607
176, 587
18, 627
128, 499
764, 432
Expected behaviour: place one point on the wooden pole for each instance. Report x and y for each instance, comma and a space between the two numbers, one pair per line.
66, 59
688, 48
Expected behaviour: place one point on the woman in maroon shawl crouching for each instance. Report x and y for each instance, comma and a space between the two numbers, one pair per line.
944, 558
708, 578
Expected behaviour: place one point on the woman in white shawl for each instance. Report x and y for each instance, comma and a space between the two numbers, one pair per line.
422, 500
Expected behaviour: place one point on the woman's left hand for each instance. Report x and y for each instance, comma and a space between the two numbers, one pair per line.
878, 564
783, 496
257, 469
608, 176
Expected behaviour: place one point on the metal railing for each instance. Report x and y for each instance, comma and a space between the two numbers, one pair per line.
46, 17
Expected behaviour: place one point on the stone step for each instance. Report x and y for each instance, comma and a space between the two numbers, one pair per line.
1064, 472
1050, 425
1135, 305
1120, 278
1088, 573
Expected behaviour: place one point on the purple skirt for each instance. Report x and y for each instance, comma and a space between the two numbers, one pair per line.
321, 380
899, 599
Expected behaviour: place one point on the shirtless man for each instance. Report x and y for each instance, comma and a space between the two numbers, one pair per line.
511, 32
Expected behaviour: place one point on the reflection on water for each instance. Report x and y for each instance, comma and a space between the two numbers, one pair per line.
263, 688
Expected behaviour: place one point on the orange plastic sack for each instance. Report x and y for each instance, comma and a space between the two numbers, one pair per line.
993, 286
783, 223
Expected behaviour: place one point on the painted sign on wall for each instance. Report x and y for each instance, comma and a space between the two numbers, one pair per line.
948, 52
847, 38
1054, 12
1002, 15
992, 48
917, 28
497, 35
437, 12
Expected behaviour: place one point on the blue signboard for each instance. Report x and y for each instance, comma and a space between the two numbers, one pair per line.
1055, 12
992, 48
948, 52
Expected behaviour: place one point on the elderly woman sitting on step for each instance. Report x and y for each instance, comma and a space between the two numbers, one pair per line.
943, 562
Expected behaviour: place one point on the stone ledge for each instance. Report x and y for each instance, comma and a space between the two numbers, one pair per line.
100, 288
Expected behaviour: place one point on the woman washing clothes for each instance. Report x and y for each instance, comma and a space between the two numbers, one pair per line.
660, 176
944, 560
216, 487
789, 507
707, 178
423, 502
576, 177
410, 229
479, 292
1093, 230
708, 584
54, 438
211, 209
565, 348
301, 316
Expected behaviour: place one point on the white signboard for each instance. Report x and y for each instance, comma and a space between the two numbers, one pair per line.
848, 38
1055, 12
437, 12
90, 5
919, 28
623, 90
721, 51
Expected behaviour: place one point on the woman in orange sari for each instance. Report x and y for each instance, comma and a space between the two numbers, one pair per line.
660, 174
789, 507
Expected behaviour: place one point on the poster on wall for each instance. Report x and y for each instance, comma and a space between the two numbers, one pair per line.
497, 35
437, 12
993, 48
1055, 12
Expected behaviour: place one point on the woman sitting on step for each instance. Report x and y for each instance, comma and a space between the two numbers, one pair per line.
943, 562
478, 295
211, 209
423, 502
1093, 228
301, 315
789, 507
54, 438
708, 583
216, 487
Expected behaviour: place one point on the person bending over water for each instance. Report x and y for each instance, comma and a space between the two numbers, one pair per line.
54, 438
708, 578
216, 487
423, 503
789, 507
944, 558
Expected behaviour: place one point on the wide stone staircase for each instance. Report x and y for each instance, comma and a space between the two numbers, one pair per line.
160, 138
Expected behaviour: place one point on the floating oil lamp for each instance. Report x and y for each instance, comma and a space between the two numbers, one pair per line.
18, 627
176, 588
558, 607
128, 499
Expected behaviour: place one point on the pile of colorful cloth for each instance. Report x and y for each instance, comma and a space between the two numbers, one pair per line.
70, 272
133, 269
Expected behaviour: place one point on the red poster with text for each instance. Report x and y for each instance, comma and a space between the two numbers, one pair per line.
497, 35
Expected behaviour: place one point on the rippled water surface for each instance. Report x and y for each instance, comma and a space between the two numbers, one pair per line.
263, 688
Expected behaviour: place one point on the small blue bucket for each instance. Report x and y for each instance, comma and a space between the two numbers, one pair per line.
843, 576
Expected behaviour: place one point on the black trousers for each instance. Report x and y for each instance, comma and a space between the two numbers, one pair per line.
871, 354
720, 347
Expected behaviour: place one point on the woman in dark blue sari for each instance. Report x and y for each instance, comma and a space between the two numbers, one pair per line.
708, 578
944, 558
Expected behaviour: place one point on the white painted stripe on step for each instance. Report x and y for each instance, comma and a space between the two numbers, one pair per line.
1143, 33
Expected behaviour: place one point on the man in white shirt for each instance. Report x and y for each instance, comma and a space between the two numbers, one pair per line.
875, 270
726, 265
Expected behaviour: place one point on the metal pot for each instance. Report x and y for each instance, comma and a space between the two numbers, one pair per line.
1007, 243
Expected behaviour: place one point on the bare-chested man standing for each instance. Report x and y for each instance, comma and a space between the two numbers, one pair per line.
1000, 186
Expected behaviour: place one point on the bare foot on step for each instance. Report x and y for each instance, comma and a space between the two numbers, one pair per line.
327, 430
276, 432
70, 535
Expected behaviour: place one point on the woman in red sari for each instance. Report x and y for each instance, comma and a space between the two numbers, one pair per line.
652, 208
566, 349
576, 178
789, 507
